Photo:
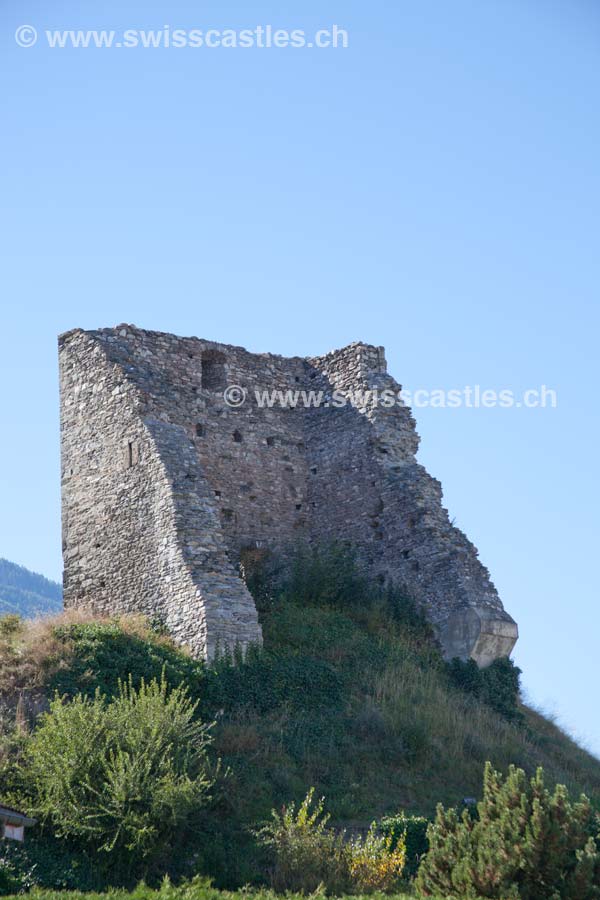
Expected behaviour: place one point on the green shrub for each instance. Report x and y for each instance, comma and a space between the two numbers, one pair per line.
265, 681
501, 686
525, 843
46, 862
10, 883
306, 853
497, 685
126, 777
101, 654
412, 830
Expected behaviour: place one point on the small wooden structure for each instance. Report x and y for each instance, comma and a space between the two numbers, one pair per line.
13, 823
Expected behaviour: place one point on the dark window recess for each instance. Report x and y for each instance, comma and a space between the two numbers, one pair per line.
199, 429
298, 506
213, 370
237, 437
270, 442
227, 515
217, 493
129, 455
406, 554
313, 470
296, 378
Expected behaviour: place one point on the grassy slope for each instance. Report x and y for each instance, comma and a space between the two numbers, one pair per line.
349, 697
405, 737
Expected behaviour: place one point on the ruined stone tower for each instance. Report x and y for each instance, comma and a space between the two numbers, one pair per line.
168, 477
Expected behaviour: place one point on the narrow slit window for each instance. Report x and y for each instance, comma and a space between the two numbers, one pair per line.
213, 370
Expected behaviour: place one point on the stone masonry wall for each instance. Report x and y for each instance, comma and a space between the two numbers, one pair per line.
165, 485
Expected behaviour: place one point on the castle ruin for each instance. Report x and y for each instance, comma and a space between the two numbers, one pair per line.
168, 478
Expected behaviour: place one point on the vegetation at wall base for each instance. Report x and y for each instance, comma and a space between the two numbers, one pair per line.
349, 695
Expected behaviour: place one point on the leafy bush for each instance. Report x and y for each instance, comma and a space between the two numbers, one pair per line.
45, 862
412, 831
265, 681
525, 843
126, 776
497, 685
376, 862
103, 653
10, 883
306, 853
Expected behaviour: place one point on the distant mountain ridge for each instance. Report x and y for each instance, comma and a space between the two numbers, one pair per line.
27, 593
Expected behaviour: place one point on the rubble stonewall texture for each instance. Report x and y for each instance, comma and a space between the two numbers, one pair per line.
165, 487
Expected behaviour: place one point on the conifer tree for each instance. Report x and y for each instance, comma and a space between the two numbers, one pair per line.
526, 843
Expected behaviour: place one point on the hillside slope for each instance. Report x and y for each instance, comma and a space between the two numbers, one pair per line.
27, 593
349, 695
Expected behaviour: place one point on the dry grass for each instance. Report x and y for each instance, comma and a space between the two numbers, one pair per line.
32, 651
455, 735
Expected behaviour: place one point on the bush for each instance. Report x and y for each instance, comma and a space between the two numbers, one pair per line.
412, 831
525, 843
306, 853
497, 685
10, 883
102, 653
264, 681
126, 777
45, 862
376, 863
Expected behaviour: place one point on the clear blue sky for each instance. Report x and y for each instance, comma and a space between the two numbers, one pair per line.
434, 188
